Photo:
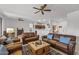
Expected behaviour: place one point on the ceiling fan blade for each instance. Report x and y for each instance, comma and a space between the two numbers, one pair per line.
45, 5
47, 10
42, 12
36, 8
37, 12
42, 7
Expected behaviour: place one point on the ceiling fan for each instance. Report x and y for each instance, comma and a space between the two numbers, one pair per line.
42, 9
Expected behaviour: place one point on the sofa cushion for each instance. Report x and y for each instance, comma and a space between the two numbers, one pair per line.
61, 45
64, 40
53, 42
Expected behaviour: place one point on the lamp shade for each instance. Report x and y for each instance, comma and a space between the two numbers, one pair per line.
10, 30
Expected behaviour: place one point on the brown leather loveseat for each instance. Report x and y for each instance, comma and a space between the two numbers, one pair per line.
29, 36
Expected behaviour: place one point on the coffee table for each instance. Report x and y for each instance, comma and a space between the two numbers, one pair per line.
39, 49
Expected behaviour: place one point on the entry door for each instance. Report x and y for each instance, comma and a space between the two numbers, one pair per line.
0, 26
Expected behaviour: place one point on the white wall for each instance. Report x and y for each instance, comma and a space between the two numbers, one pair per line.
73, 23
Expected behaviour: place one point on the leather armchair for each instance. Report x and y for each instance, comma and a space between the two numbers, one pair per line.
14, 47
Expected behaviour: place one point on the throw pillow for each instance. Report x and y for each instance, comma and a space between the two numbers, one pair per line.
50, 36
64, 40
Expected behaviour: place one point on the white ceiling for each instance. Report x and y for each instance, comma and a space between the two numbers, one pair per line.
26, 10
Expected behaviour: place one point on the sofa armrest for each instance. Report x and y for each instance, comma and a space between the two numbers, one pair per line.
72, 43
45, 36
16, 40
71, 47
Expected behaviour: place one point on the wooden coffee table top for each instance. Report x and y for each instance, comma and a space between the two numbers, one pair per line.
36, 47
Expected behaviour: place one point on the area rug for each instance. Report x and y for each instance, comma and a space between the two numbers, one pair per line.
25, 51
53, 52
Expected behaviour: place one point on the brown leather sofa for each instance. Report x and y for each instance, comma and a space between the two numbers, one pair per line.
29, 37
67, 48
